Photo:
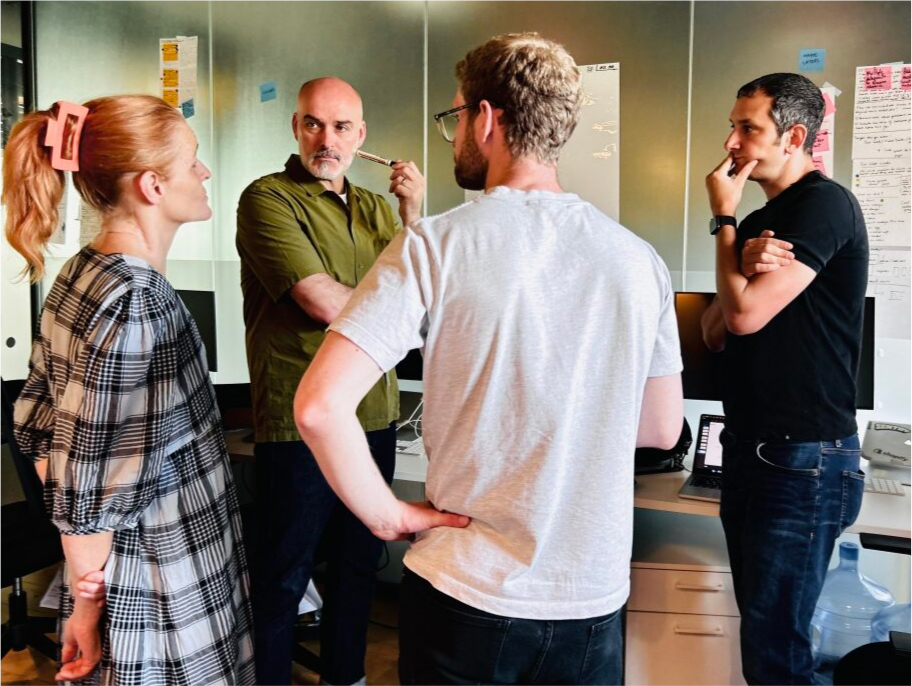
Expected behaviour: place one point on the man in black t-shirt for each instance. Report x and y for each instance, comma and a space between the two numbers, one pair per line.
789, 316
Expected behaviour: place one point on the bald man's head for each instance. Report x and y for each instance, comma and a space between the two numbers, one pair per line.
328, 124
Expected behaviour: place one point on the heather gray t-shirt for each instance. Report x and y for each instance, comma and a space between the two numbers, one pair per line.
541, 319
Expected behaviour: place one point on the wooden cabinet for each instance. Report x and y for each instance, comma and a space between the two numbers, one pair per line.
682, 619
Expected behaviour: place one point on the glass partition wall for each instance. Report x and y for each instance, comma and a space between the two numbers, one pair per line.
680, 66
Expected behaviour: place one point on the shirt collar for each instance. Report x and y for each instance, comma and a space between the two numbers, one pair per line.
311, 184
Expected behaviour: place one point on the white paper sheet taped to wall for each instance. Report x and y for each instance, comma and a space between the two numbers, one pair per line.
880, 180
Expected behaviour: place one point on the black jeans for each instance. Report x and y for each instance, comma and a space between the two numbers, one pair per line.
295, 508
444, 641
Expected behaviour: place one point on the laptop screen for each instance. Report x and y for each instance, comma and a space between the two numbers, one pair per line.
708, 456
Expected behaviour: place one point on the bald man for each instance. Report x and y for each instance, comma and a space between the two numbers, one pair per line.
306, 237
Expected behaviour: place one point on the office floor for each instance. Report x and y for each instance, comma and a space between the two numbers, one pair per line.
30, 667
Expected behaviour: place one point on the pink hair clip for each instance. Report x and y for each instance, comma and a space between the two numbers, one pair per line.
63, 135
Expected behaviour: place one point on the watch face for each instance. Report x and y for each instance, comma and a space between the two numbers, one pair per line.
712, 224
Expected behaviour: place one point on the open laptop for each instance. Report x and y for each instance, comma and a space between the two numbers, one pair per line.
705, 483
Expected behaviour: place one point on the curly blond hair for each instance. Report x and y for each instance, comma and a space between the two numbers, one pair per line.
535, 81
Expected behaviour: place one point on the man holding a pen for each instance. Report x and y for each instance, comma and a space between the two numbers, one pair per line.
306, 237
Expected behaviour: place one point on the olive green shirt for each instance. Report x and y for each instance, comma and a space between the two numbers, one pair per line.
289, 227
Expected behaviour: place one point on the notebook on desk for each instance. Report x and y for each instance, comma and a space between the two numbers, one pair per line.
705, 483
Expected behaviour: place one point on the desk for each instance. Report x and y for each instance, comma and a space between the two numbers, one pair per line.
887, 515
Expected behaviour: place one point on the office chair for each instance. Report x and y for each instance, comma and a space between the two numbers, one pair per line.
30, 543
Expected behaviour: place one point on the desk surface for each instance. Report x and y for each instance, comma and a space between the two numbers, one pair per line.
888, 515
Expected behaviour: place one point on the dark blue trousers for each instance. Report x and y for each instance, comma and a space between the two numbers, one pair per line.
295, 509
444, 641
784, 504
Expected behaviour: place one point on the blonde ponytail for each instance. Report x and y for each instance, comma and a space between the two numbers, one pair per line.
32, 190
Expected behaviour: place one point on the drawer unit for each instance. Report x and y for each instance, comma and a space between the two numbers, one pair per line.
665, 648
681, 591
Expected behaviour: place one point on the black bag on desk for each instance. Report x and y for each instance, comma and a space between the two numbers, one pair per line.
652, 460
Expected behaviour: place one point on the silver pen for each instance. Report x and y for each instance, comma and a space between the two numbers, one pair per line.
374, 158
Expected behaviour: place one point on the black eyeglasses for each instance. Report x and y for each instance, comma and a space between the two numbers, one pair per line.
447, 121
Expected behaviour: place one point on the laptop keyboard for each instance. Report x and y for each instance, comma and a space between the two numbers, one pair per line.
707, 482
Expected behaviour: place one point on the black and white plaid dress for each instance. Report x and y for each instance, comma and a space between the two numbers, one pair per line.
120, 403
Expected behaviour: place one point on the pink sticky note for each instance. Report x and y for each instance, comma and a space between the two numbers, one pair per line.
904, 78
822, 142
820, 165
878, 78
830, 107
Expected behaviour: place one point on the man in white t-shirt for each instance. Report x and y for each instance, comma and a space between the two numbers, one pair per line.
550, 351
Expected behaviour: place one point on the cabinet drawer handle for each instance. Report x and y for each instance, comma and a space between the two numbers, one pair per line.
715, 588
697, 631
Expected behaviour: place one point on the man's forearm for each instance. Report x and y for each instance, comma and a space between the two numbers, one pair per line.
730, 283
340, 448
321, 297
713, 324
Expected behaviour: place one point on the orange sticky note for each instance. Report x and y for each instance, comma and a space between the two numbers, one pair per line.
170, 78
170, 97
169, 52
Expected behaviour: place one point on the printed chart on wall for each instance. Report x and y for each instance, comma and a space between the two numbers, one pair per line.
880, 180
177, 62
590, 161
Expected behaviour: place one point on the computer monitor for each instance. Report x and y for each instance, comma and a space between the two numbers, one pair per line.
201, 305
410, 372
702, 375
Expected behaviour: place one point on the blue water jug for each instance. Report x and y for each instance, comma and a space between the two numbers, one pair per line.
842, 618
893, 618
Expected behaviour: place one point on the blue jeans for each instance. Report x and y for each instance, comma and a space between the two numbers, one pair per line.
444, 641
784, 504
295, 509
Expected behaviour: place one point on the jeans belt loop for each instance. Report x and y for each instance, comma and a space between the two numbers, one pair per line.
838, 443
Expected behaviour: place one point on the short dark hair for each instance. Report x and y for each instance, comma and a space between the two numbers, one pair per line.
796, 100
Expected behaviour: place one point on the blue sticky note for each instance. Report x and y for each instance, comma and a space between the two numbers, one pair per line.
267, 91
187, 108
812, 59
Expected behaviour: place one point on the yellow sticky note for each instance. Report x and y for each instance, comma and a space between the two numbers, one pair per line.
169, 52
170, 78
170, 97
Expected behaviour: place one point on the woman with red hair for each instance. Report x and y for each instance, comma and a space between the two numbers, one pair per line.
118, 411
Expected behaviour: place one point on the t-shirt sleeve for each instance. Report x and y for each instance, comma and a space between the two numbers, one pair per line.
272, 243
386, 315
666, 353
811, 229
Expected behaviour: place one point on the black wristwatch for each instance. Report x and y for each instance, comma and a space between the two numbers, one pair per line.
717, 222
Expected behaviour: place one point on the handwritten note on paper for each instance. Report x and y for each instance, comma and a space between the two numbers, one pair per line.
590, 161
883, 191
812, 60
882, 118
877, 78
888, 283
267, 91
904, 78
822, 142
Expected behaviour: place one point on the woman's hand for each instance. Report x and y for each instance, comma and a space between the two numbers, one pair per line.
81, 642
